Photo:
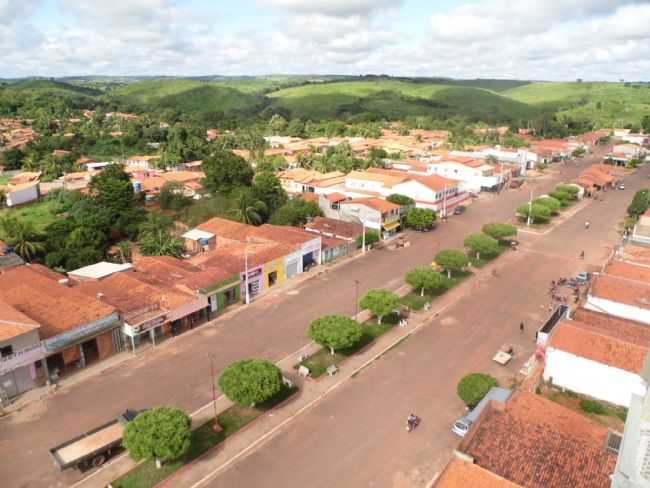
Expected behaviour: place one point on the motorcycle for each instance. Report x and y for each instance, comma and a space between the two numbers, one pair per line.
412, 422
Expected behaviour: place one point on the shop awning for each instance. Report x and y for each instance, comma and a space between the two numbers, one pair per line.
391, 225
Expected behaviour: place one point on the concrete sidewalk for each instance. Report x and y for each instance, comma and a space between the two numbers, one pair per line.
309, 394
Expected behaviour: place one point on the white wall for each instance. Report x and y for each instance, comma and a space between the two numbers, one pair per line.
25, 195
591, 378
618, 309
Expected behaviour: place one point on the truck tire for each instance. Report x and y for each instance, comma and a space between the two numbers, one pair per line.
98, 460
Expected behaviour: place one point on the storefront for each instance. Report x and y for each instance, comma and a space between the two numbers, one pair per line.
274, 272
18, 370
254, 282
144, 328
390, 228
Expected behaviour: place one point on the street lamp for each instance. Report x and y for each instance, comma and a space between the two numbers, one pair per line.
356, 297
530, 209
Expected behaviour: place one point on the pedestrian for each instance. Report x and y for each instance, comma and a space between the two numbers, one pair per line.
521, 327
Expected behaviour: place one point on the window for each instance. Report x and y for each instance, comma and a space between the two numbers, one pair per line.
6, 351
613, 442
230, 296
334, 206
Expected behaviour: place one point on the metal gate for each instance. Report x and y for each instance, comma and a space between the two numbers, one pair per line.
292, 269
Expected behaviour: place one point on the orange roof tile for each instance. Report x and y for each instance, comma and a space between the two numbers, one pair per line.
622, 290
537, 443
632, 271
378, 204
14, 323
463, 474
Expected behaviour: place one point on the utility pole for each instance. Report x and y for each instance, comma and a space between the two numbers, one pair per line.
214, 393
356, 297
246, 296
530, 209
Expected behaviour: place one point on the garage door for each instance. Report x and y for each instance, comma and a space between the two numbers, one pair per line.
292, 269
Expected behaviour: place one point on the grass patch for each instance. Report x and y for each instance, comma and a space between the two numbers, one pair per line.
204, 438
41, 213
485, 259
414, 301
319, 362
4, 179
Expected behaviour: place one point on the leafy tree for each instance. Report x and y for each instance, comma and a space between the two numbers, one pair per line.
267, 188
645, 123
419, 218
296, 128
425, 278
553, 204
452, 261
499, 231
295, 212
640, 203
162, 433
225, 171
398, 199
335, 332
22, 236
12, 158
124, 252
372, 236
171, 196
247, 208
250, 381
155, 222
380, 302
482, 244
563, 197
277, 124
473, 387
538, 213
571, 190
160, 243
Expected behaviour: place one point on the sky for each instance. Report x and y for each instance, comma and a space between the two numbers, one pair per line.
507, 39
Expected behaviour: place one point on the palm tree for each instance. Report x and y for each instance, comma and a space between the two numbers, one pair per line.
248, 209
160, 243
155, 222
22, 236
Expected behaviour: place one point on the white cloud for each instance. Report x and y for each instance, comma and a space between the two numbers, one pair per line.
337, 8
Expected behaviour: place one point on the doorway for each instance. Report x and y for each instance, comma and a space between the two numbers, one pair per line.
273, 278
90, 351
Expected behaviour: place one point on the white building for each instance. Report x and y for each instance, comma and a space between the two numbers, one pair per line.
300, 180
143, 162
523, 158
21, 193
431, 191
599, 356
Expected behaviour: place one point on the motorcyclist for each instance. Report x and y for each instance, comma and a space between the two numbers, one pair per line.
586, 224
582, 254
411, 421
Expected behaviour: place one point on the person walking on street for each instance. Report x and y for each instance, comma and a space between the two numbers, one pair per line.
521, 327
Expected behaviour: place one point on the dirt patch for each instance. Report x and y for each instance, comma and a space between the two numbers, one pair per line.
30, 412
449, 321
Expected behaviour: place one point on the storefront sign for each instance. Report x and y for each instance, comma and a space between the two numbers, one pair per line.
21, 358
134, 330
73, 336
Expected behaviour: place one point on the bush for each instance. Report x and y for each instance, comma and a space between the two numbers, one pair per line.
335, 332
571, 190
563, 197
162, 433
250, 381
499, 231
591, 406
539, 213
473, 387
372, 236
553, 204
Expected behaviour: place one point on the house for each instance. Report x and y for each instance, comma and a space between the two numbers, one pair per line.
632, 466
20, 348
8, 258
597, 177
641, 231
640, 139
629, 151
147, 312
145, 162
18, 194
537, 443
428, 191
300, 180
552, 150
338, 237
98, 271
475, 175
523, 158
598, 355
373, 213
59, 153
75, 329
623, 291
462, 473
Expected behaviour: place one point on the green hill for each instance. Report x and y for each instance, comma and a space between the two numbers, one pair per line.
397, 99
53, 87
606, 104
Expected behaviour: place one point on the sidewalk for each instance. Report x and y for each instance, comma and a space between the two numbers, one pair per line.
309, 394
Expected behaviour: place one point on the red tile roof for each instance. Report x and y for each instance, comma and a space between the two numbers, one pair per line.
336, 197
463, 474
628, 270
334, 227
56, 307
378, 204
622, 290
617, 343
14, 323
537, 443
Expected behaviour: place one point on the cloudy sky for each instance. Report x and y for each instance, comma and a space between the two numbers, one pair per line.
523, 39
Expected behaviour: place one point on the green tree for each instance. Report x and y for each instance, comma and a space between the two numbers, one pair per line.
250, 381
424, 278
162, 433
247, 208
538, 213
571, 190
398, 199
553, 204
482, 244
380, 302
155, 222
452, 261
645, 123
171, 196
277, 124
225, 171
335, 332
563, 197
473, 387
267, 188
499, 231
295, 212
160, 243
640, 203
419, 218
22, 236
372, 236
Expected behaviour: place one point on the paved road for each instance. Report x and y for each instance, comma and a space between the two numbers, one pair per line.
355, 437
177, 373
